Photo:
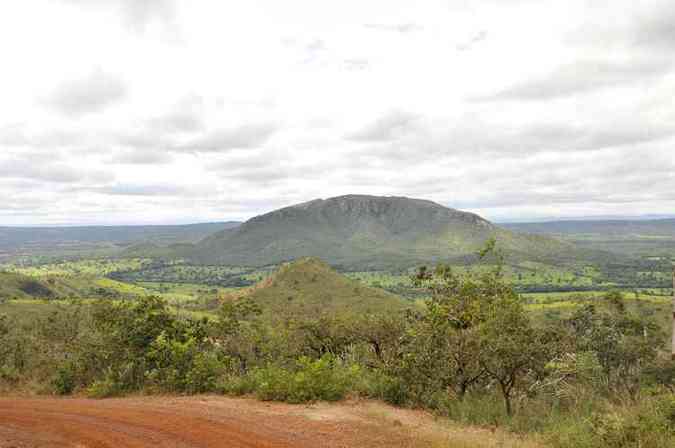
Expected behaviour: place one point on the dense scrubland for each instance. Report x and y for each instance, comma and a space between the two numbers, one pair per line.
588, 375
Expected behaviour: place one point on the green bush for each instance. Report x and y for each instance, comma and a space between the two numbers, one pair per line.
64, 380
182, 366
375, 384
273, 383
236, 385
9, 374
203, 374
321, 379
105, 388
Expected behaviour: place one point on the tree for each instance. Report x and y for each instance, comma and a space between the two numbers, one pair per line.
125, 331
232, 314
383, 334
448, 345
511, 347
237, 331
325, 335
624, 343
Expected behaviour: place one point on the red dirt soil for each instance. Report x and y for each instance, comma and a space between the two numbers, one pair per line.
183, 422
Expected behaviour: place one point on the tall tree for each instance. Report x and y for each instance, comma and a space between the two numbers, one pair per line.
512, 347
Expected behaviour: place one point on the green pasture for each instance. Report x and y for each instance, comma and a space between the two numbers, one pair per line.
91, 267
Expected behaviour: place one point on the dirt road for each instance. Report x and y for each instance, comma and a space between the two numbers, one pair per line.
181, 422
210, 421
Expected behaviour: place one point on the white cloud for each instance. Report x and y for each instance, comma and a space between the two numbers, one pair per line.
90, 94
138, 14
512, 109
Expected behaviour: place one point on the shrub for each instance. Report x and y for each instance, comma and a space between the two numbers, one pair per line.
322, 379
648, 425
272, 383
375, 384
203, 374
9, 374
182, 366
325, 378
64, 380
236, 385
105, 388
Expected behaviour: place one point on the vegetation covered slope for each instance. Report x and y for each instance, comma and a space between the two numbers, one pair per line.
367, 232
22, 287
309, 287
627, 237
19, 286
152, 250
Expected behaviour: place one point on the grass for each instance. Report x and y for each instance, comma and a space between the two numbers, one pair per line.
85, 280
582, 297
89, 267
430, 431
185, 291
123, 288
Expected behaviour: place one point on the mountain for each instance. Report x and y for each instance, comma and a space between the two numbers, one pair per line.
310, 287
368, 232
106, 240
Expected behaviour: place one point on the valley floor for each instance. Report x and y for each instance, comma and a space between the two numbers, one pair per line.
214, 421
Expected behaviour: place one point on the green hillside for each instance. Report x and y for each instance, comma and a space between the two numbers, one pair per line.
152, 250
309, 287
369, 232
19, 286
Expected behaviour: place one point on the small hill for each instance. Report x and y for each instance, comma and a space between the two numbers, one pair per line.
310, 287
359, 232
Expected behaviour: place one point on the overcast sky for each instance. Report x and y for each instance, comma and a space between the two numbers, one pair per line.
161, 111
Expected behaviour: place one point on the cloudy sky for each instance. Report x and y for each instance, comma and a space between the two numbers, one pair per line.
172, 111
